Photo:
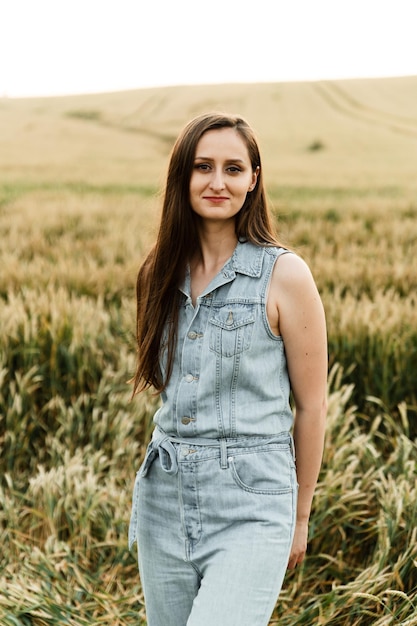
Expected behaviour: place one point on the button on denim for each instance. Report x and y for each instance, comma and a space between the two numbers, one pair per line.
215, 499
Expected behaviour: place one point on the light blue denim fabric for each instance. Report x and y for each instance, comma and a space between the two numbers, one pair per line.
214, 502
230, 374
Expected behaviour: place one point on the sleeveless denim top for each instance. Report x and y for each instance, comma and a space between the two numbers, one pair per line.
230, 377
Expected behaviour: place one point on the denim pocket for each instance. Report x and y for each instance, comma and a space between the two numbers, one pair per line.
268, 472
231, 328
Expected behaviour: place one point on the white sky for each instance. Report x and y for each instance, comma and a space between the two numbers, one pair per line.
53, 47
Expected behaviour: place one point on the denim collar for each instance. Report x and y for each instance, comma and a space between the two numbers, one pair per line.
246, 259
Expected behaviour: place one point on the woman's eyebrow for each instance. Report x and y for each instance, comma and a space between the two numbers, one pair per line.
203, 158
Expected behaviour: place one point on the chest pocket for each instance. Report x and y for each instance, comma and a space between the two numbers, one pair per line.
231, 329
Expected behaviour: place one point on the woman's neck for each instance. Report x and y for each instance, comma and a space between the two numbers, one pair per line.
216, 247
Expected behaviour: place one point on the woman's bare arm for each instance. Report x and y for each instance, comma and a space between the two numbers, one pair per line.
301, 322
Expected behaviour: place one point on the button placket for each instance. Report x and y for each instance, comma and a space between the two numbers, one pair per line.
193, 345
186, 395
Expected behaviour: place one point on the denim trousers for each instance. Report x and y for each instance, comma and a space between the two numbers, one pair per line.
214, 526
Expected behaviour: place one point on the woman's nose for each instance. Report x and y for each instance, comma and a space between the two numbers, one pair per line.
217, 180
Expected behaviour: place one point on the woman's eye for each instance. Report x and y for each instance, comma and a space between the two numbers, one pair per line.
202, 166
233, 169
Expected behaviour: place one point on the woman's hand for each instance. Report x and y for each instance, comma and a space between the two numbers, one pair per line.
299, 545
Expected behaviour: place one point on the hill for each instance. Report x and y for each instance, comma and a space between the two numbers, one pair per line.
351, 133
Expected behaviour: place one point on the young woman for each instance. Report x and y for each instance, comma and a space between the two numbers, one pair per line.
228, 322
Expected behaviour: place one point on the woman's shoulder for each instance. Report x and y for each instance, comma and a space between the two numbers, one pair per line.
291, 270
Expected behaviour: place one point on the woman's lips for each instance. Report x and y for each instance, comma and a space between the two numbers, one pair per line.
216, 199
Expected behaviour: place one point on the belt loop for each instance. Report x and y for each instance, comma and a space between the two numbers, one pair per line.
223, 454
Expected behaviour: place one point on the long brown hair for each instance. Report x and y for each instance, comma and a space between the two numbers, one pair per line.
163, 270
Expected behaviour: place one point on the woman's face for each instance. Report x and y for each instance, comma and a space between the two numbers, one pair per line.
222, 175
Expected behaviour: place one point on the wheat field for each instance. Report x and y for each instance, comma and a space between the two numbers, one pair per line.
80, 183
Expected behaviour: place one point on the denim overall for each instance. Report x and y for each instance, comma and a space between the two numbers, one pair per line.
214, 501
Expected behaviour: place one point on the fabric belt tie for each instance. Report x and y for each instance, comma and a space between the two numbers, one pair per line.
164, 449
162, 446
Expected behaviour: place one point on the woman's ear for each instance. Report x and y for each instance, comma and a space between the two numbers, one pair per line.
254, 179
